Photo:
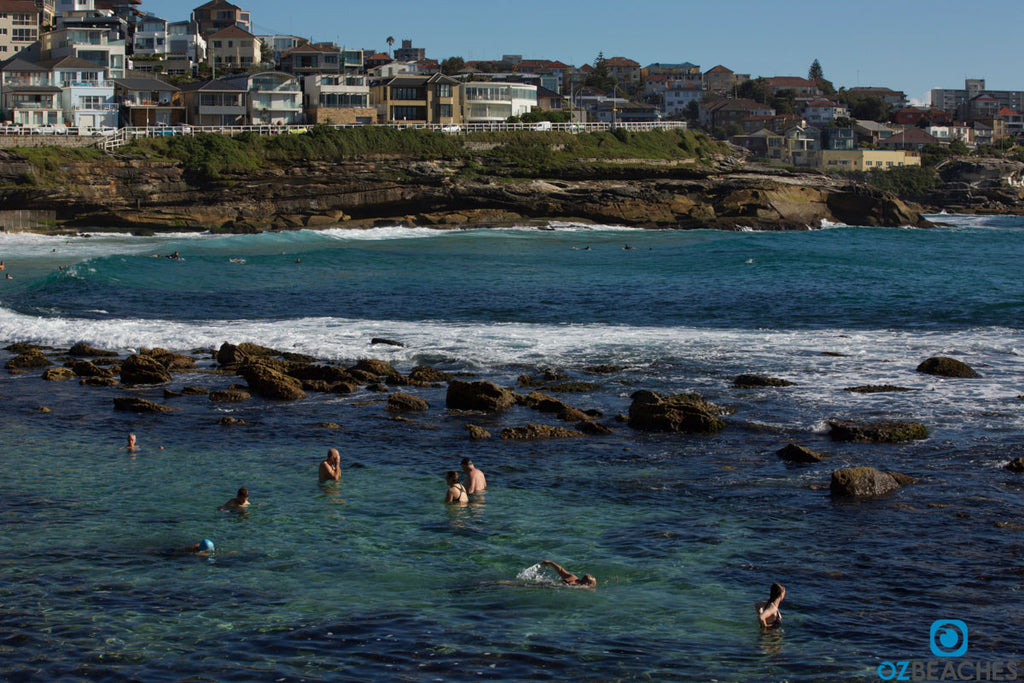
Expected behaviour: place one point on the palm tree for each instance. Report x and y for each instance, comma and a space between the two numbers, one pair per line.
390, 40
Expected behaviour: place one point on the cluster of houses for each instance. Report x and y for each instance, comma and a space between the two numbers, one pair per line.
95, 64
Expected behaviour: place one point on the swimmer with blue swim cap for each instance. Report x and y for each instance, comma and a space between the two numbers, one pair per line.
206, 546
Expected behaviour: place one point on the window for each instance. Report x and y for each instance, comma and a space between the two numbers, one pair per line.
445, 111
216, 43
22, 20
23, 35
408, 114
405, 94
444, 90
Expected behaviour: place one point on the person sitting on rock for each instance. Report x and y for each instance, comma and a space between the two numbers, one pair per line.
768, 613
330, 469
570, 579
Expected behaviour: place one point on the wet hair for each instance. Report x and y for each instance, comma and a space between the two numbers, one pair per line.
775, 592
243, 493
588, 580
452, 477
466, 462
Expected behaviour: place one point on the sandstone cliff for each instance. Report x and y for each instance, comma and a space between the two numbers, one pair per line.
145, 194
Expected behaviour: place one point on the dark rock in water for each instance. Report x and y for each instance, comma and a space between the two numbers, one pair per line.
229, 396
572, 387
400, 402
83, 350
99, 382
378, 387
58, 374
317, 385
194, 391
592, 428
173, 362
875, 388
143, 370
425, 373
573, 415
947, 367
477, 433
1016, 465
84, 368
315, 372
22, 347
756, 381
375, 367
229, 354
799, 454
883, 431
834, 354
42, 409
328, 425
485, 396
544, 403
139, 405
387, 342
270, 383
862, 481
902, 479
688, 413
298, 357
172, 394
603, 369
532, 432
231, 421
28, 360
345, 388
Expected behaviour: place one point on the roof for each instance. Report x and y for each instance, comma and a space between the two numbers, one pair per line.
621, 62
19, 64
218, 4
144, 84
220, 84
414, 81
686, 86
822, 103
718, 70
232, 32
31, 89
20, 6
911, 136
873, 125
686, 66
70, 63
1006, 111
558, 65
306, 47
791, 82
547, 93
377, 56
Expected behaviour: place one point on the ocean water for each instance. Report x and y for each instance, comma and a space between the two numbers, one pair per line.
376, 579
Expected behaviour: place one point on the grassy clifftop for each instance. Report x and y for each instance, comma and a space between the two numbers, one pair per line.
525, 154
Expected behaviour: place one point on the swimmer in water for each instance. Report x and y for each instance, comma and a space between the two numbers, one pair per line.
768, 613
570, 579
132, 446
330, 469
239, 502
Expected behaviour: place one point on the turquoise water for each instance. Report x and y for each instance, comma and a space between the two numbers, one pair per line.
376, 579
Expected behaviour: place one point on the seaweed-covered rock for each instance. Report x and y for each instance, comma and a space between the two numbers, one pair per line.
603, 369
484, 396
316, 372
544, 403
592, 428
174, 362
862, 481
687, 413
532, 432
376, 368
139, 405
139, 369
229, 396
83, 350
756, 381
425, 373
881, 431
400, 402
799, 454
269, 382
99, 382
477, 433
344, 388
85, 368
30, 359
947, 367
231, 421
229, 354
58, 374
190, 390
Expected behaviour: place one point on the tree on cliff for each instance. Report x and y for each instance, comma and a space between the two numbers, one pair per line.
452, 65
817, 74
757, 90
600, 78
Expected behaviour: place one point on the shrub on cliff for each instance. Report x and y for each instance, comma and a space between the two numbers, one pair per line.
904, 181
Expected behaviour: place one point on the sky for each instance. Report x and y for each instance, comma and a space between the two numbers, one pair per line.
908, 45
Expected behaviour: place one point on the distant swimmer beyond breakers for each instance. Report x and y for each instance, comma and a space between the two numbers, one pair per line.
570, 579
330, 469
768, 613
456, 491
239, 502
475, 479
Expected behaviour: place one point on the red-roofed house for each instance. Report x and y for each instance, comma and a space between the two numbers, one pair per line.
626, 71
1012, 120
912, 138
802, 86
376, 59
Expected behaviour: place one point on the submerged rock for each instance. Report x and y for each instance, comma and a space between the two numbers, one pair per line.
947, 367
875, 388
882, 431
385, 341
756, 381
688, 413
798, 454
33, 358
477, 433
139, 405
229, 354
270, 383
862, 481
484, 396
400, 402
229, 396
425, 373
85, 368
139, 369
532, 432
58, 374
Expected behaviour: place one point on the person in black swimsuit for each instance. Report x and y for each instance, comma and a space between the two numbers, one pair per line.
456, 491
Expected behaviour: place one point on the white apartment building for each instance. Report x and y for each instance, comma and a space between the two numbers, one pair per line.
492, 102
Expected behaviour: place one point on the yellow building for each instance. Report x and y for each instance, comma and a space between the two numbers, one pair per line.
866, 159
433, 99
234, 49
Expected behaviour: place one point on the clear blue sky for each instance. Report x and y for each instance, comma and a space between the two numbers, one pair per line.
908, 45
